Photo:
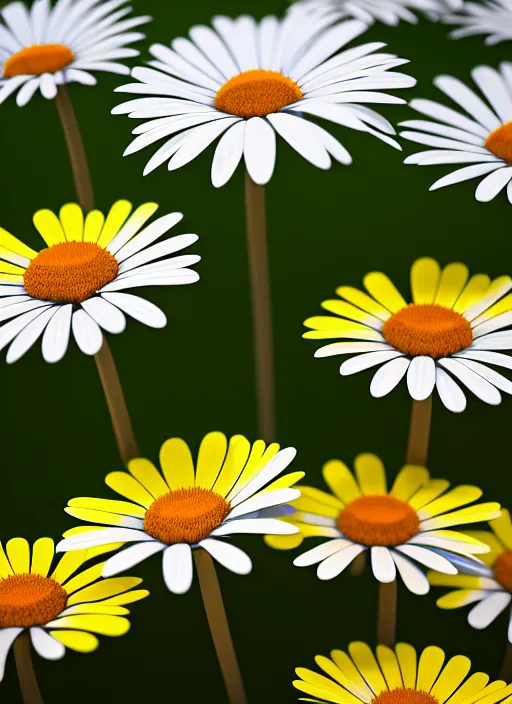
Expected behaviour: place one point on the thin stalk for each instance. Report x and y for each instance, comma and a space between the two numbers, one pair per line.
386, 623
26, 675
506, 666
219, 627
261, 307
419, 432
357, 566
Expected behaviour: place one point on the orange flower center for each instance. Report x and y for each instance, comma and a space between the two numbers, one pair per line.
69, 272
30, 600
378, 520
427, 329
502, 569
405, 696
499, 142
257, 93
38, 59
185, 515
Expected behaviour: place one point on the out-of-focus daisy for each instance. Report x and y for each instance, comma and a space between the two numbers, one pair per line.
44, 47
449, 330
61, 609
490, 587
394, 676
232, 490
78, 281
248, 81
491, 18
408, 523
478, 133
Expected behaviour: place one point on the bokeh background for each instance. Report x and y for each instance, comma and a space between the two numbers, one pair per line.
196, 375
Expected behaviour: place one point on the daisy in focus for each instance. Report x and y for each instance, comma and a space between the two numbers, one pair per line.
448, 332
44, 47
399, 527
491, 18
232, 490
61, 608
395, 676
245, 81
478, 132
489, 587
78, 281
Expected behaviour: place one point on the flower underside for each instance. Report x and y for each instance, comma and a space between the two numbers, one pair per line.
377, 519
30, 600
257, 93
38, 59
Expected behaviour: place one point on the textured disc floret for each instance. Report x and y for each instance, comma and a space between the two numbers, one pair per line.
257, 93
405, 696
30, 600
378, 520
38, 59
499, 142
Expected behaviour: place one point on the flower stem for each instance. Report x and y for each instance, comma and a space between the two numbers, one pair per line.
386, 624
506, 666
26, 675
104, 361
419, 432
261, 307
219, 627
357, 566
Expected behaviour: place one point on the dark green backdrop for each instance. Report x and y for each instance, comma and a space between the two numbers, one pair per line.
196, 375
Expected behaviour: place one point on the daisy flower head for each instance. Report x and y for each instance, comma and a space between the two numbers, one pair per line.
232, 490
42, 47
489, 586
397, 675
451, 329
77, 281
399, 527
59, 606
478, 132
247, 81
491, 18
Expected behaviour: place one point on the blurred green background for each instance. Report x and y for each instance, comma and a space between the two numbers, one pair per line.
196, 375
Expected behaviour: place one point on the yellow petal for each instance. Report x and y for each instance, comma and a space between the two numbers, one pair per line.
18, 552
68, 565
453, 280
429, 492
341, 481
93, 226
176, 463
326, 694
409, 480
347, 310
477, 287
284, 482
11, 279
13, 244
370, 474
115, 220
284, 542
471, 687
363, 301
489, 539
502, 526
7, 268
455, 580
389, 666
458, 598
127, 598
425, 274
103, 625
314, 500
345, 664
49, 227
502, 306
132, 226
72, 219
329, 667
451, 677
365, 661
459, 496
104, 589
97, 608
236, 458
83, 579
259, 457
384, 291
339, 327
431, 662
470, 514
130, 488
408, 661
124, 508
103, 517
148, 475
5, 566
77, 640
320, 681
43, 551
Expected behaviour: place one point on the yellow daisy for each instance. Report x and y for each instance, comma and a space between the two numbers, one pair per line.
489, 585
61, 609
397, 676
233, 489
449, 330
408, 523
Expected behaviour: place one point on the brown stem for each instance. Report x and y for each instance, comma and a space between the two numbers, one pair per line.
357, 566
116, 403
506, 667
26, 675
79, 165
261, 306
419, 432
386, 623
219, 627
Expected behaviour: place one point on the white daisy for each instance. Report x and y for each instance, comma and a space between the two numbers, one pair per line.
78, 281
233, 490
389, 12
247, 80
480, 134
44, 47
451, 329
493, 18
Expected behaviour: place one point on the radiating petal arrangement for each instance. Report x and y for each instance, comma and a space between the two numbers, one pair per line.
389, 12
494, 19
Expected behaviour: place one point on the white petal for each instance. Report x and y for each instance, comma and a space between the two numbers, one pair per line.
475, 383
87, 333
194, 145
450, 392
263, 500
320, 552
367, 360
56, 335
488, 609
138, 308
421, 378
259, 150
272, 469
156, 251
338, 348
104, 536
413, 577
335, 564
495, 341
429, 558
495, 90
496, 358
465, 174
497, 380
7, 638
228, 556
9, 331
270, 526
466, 98
494, 294
150, 234
296, 132
178, 568
388, 377
29, 335
46, 646
228, 154
48, 86
493, 184
383, 566
105, 314
27, 91
129, 557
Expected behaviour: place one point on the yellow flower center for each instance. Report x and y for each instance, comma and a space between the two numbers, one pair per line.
69, 272
378, 520
499, 142
185, 515
30, 600
38, 59
257, 93
427, 329
502, 569
405, 696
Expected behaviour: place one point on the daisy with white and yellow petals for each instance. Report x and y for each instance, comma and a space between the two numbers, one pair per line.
451, 330
78, 281
44, 47
232, 490
489, 586
399, 527
478, 132
59, 606
397, 675
248, 80
491, 18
